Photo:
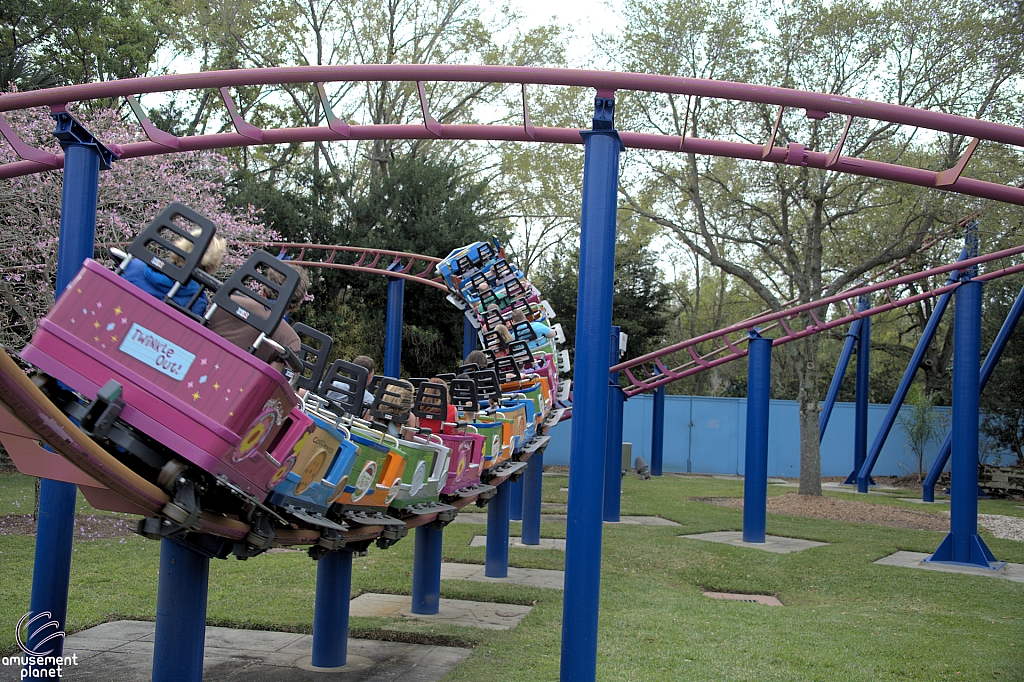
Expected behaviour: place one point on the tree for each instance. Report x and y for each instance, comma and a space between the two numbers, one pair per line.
796, 234
418, 206
639, 299
131, 194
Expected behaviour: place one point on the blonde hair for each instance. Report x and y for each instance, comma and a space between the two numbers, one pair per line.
211, 259
504, 333
398, 403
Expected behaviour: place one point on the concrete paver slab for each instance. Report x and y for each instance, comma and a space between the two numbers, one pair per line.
232, 655
484, 615
772, 543
514, 541
529, 577
920, 501
1013, 572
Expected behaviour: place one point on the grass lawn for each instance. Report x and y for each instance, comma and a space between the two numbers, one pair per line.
844, 617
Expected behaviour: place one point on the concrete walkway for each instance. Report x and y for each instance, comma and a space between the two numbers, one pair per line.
123, 652
514, 541
1013, 572
772, 543
476, 614
528, 577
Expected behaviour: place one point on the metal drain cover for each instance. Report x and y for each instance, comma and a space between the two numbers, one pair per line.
765, 599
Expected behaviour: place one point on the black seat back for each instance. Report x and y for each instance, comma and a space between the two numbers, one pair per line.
520, 350
314, 354
344, 385
463, 394
431, 401
253, 271
488, 385
523, 331
157, 241
508, 370
388, 401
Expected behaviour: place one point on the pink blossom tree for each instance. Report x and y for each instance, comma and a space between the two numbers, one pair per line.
131, 194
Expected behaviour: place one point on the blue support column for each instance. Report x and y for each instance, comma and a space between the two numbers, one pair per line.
496, 559
658, 431
533, 484
1012, 318
468, 337
860, 408
613, 444
84, 157
963, 545
180, 637
393, 328
581, 598
330, 611
426, 570
863, 470
755, 471
515, 499
837, 377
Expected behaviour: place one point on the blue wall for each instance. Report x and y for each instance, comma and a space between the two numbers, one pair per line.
707, 436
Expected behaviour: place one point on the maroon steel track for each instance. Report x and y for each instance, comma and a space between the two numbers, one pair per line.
606, 83
408, 266
661, 367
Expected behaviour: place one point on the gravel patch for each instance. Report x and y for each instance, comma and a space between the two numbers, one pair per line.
1005, 527
833, 509
87, 526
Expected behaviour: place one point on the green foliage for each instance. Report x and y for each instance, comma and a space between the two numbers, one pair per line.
640, 296
47, 42
419, 206
921, 423
1002, 401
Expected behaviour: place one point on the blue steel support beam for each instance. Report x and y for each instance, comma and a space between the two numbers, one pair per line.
581, 598
613, 443
496, 556
963, 545
426, 570
180, 637
864, 468
84, 157
837, 377
515, 499
330, 611
468, 337
658, 431
393, 328
860, 408
1002, 338
755, 471
532, 492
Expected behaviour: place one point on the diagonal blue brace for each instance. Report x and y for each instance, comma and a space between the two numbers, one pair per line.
863, 387
84, 157
837, 376
1002, 338
864, 471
